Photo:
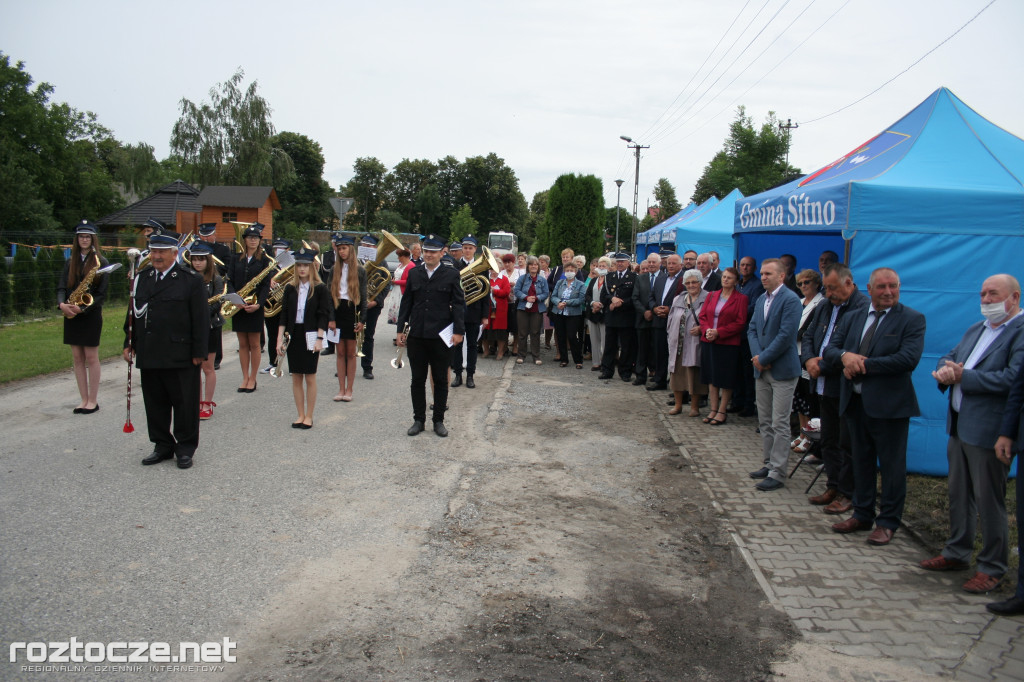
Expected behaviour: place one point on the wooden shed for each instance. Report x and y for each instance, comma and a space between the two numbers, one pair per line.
223, 204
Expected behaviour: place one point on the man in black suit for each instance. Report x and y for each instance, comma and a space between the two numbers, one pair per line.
877, 349
170, 323
712, 280
619, 321
843, 299
662, 295
476, 313
644, 317
1009, 443
433, 300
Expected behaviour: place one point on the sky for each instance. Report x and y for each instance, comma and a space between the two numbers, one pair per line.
549, 86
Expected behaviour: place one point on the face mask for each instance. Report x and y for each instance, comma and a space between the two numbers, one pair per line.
994, 312
570, 275
602, 272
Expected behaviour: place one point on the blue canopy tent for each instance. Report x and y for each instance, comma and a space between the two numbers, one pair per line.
668, 232
710, 229
652, 238
938, 197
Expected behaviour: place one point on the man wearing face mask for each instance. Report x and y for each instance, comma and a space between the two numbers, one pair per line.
978, 374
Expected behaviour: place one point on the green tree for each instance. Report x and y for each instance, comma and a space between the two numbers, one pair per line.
390, 221
448, 183
6, 295
534, 227
751, 160
574, 217
25, 280
625, 229
491, 189
367, 188
404, 183
665, 195
228, 140
136, 169
428, 210
304, 196
463, 223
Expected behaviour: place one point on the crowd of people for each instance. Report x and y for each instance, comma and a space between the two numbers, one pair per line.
793, 348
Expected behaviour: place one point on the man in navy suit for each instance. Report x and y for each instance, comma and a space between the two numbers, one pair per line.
662, 295
1011, 440
979, 372
877, 349
772, 337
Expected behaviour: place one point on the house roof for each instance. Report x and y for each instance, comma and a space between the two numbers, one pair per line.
238, 197
163, 205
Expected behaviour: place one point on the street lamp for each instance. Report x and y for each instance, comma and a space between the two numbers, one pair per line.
636, 182
618, 202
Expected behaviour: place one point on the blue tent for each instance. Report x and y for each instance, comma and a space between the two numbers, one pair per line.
938, 197
710, 229
652, 237
668, 232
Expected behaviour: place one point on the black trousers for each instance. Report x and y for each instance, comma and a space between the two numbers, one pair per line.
644, 354
472, 332
271, 324
567, 329
745, 394
372, 315
621, 342
877, 446
433, 355
172, 390
659, 342
835, 446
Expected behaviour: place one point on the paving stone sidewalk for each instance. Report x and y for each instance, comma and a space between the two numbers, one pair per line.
868, 603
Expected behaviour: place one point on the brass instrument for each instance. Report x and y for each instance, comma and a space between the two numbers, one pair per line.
248, 291
275, 301
378, 276
81, 296
359, 337
474, 282
217, 297
239, 229
396, 361
276, 371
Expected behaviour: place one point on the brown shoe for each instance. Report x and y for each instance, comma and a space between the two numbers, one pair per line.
851, 525
981, 583
825, 497
941, 563
880, 536
840, 505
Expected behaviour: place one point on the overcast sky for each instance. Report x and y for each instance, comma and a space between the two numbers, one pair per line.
548, 86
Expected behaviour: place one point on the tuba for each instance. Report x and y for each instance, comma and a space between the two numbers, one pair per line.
239, 229
378, 276
474, 282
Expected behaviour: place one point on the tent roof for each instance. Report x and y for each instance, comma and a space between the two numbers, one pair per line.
235, 196
941, 164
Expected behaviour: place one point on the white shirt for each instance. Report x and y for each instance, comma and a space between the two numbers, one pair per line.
988, 336
430, 273
300, 309
343, 283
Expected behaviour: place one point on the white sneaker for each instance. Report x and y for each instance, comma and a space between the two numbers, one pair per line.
266, 370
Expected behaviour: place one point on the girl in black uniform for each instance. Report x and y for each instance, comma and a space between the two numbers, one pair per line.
84, 324
348, 292
201, 258
306, 309
248, 322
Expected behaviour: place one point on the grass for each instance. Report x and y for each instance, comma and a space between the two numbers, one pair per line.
36, 346
927, 511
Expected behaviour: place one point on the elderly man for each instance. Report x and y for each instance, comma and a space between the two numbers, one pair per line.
978, 374
743, 397
843, 299
619, 320
712, 280
772, 337
1011, 440
649, 270
662, 295
878, 348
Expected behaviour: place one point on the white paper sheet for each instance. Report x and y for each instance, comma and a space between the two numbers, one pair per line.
446, 334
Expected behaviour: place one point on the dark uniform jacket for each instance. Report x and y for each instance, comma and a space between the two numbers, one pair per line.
211, 289
814, 336
223, 252
172, 319
319, 308
240, 272
623, 316
431, 304
98, 288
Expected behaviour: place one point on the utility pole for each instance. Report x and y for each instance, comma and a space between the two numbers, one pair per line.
636, 181
788, 126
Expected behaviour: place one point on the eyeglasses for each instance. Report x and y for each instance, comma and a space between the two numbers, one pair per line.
806, 281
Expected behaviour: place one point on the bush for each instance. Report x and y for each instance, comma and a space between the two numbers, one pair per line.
45, 275
24, 280
117, 287
6, 302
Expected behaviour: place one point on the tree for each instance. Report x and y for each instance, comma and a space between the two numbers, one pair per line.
625, 228
390, 221
25, 280
492, 190
463, 223
136, 169
752, 161
304, 197
574, 217
428, 210
534, 227
228, 140
404, 183
367, 188
6, 298
665, 195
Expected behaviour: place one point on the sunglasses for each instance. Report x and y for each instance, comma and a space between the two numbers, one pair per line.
806, 281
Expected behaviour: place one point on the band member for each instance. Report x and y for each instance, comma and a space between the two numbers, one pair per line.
83, 325
201, 259
348, 292
170, 339
248, 322
208, 234
477, 315
373, 308
433, 300
307, 307
326, 269
280, 246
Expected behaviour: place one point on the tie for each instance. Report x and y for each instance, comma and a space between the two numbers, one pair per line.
865, 343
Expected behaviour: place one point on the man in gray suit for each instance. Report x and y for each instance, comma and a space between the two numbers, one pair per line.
772, 337
980, 371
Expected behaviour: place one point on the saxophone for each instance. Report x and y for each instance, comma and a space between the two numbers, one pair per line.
248, 291
81, 296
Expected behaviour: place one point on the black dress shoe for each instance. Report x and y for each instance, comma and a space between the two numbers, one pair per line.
627, 377
671, 401
638, 381
456, 381
469, 381
760, 473
156, 458
78, 410
416, 428
1014, 606
732, 409
658, 387
440, 430
216, 367
367, 374
185, 461
603, 375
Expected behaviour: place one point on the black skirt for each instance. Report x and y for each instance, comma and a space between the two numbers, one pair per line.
345, 319
216, 343
300, 360
84, 330
247, 323
719, 364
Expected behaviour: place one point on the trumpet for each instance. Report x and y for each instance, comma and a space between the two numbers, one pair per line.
474, 282
359, 338
396, 361
276, 370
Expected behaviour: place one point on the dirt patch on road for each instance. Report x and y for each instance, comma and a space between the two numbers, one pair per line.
573, 548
